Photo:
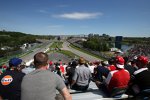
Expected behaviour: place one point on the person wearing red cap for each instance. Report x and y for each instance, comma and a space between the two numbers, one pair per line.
141, 78
51, 66
119, 78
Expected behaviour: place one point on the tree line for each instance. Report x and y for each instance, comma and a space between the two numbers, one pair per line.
98, 43
14, 40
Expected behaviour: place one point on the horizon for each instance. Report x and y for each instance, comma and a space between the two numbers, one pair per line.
56, 17
73, 34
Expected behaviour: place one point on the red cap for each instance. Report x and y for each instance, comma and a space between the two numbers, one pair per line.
4, 66
50, 63
119, 62
97, 62
143, 60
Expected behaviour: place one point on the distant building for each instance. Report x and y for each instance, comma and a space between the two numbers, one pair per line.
118, 40
83, 39
6, 48
113, 49
26, 45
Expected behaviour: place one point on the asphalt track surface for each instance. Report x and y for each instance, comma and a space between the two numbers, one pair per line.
77, 52
65, 45
55, 57
30, 56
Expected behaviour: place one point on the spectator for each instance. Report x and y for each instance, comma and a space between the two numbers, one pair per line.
57, 69
105, 68
71, 71
81, 78
41, 84
102, 70
51, 66
91, 67
4, 68
141, 78
133, 64
111, 62
10, 85
62, 69
129, 67
117, 79
139, 49
27, 69
96, 73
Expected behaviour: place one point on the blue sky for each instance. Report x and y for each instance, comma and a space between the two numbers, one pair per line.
72, 17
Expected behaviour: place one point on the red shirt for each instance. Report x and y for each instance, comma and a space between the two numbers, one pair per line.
118, 78
111, 67
62, 69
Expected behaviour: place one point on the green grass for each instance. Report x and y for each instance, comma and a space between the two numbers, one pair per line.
26, 53
56, 45
68, 53
85, 51
6, 59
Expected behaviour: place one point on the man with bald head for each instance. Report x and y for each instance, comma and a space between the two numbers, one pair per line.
42, 84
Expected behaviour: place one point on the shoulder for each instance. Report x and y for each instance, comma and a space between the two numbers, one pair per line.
114, 71
39, 73
111, 73
19, 75
140, 71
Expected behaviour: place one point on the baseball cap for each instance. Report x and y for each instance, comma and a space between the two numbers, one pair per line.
97, 62
50, 63
119, 62
142, 59
15, 62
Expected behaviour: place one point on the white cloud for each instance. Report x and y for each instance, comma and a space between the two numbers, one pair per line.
79, 15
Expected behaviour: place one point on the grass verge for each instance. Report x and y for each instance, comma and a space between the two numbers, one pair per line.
68, 53
6, 59
85, 51
56, 45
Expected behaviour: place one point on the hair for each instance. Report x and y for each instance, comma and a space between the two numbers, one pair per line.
40, 59
125, 59
111, 61
81, 60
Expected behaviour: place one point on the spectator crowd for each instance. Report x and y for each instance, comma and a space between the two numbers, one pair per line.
39, 81
139, 49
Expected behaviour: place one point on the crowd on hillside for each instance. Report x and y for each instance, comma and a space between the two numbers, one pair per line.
40, 80
139, 50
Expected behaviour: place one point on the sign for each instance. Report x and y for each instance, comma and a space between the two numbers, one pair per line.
6, 80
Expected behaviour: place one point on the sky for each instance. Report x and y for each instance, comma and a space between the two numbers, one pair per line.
129, 18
